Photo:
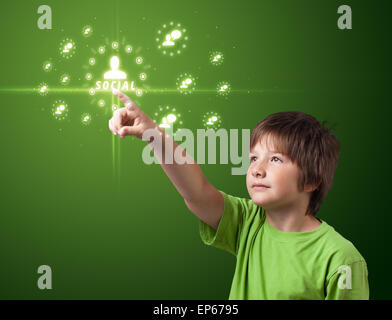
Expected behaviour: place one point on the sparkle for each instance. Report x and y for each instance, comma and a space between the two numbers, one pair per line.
91, 61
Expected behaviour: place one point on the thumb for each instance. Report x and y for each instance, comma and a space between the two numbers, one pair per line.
127, 131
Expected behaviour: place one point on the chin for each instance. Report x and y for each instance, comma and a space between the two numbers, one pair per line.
259, 199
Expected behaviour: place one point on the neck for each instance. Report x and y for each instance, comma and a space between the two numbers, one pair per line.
292, 218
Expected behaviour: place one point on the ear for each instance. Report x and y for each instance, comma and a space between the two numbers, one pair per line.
311, 187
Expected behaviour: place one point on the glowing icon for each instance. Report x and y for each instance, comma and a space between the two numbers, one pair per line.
67, 48
47, 66
168, 121
115, 73
43, 89
87, 31
91, 91
223, 88
86, 119
91, 61
115, 45
89, 76
139, 92
186, 83
101, 103
216, 58
212, 120
167, 116
114, 107
171, 38
139, 60
143, 76
60, 110
65, 79
101, 50
128, 49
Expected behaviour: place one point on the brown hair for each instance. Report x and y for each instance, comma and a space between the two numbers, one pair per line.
307, 143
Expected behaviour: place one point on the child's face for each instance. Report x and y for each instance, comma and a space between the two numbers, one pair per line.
272, 179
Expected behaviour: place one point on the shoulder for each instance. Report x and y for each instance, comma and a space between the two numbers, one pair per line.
341, 251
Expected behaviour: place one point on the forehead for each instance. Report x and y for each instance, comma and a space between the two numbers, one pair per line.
267, 143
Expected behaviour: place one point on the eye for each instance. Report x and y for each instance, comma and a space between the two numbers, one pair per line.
252, 159
276, 159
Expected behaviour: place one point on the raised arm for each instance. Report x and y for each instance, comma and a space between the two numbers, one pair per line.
201, 197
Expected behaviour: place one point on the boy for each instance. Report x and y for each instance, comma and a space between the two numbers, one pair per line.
283, 251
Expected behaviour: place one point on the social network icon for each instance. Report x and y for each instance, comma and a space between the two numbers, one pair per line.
185, 83
67, 47
223, 88
216, 58
171, 37
164, 123
65, 79
87, 31
59, 109
47, 66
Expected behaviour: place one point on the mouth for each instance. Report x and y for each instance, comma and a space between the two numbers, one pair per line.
260, 186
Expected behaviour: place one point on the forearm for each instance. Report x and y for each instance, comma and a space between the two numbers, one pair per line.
187, 177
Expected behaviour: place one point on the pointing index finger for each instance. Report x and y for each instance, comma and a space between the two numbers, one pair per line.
124, 99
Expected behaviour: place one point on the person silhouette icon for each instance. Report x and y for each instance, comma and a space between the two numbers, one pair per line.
174, 35
67, 47
115, 73
168, 41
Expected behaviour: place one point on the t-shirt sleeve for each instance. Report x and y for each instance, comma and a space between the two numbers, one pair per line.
349, 282
227, 235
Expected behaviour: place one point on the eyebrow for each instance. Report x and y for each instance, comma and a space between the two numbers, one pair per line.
276, 152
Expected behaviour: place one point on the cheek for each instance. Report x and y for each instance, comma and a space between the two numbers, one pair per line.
287, 180
248, 180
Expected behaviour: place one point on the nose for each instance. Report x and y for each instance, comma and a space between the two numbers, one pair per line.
258, 171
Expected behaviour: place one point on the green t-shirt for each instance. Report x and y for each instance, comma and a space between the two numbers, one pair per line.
272, 264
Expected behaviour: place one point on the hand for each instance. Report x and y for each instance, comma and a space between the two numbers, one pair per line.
131, 120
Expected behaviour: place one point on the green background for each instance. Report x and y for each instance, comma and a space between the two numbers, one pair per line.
111, 227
